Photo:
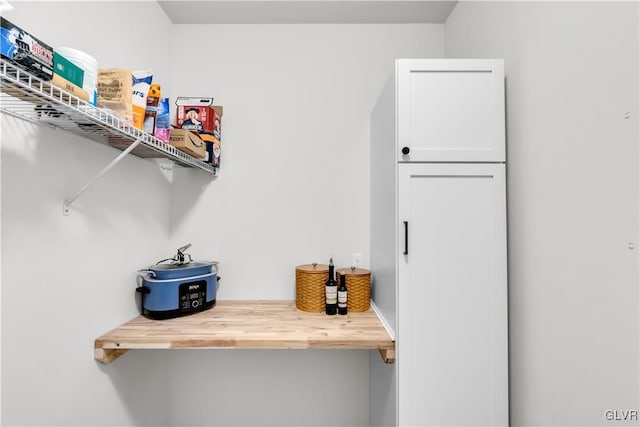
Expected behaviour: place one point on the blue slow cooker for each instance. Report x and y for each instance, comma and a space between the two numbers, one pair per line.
173, 290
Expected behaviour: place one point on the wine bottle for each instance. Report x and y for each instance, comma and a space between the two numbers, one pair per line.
331, 292
342, 295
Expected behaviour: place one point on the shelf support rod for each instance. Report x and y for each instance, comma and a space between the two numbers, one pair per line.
68, 202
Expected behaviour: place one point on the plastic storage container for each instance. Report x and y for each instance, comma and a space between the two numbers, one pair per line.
90, 67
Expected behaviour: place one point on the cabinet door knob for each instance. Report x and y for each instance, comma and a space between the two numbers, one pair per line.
405, 150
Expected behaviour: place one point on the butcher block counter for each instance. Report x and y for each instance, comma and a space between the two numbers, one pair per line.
249, 325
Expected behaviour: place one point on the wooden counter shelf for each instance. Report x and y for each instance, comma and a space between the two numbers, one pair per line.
249, 325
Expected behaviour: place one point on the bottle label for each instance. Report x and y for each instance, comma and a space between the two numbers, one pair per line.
342, 299
331, 294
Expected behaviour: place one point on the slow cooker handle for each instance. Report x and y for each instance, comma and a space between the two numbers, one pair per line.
142, 290
145, 271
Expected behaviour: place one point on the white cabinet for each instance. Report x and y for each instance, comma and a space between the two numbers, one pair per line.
450, 110
438, 244
452, 330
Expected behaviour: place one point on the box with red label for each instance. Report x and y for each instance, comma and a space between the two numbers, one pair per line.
200, 115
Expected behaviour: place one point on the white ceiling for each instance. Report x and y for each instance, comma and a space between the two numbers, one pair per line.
306, 11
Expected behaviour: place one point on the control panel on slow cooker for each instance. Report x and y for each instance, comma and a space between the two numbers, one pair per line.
192, 295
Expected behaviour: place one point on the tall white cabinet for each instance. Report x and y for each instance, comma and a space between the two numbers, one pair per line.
438, 244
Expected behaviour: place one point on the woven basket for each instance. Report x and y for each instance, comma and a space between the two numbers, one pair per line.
358, 281
310, 283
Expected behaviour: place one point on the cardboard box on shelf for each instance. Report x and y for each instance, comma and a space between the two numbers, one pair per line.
200, 115
188, 142
28, 52
69, 87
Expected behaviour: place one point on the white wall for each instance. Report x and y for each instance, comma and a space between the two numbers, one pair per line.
293, 189
571, 74
294, 184
67, 280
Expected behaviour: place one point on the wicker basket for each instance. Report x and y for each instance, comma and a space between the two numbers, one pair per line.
358, 281
310, 286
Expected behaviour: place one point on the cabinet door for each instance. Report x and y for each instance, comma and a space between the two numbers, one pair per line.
452, 293
451, 110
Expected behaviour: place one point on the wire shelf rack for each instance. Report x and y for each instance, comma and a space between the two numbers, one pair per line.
29, 98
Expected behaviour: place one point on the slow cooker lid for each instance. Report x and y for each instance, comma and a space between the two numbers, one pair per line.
192, 264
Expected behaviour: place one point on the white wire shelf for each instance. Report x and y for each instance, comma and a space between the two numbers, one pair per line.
27, 97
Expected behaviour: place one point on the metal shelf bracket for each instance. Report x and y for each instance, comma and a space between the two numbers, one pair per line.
67, 203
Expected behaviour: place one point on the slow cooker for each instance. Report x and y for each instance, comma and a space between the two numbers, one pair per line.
176, 287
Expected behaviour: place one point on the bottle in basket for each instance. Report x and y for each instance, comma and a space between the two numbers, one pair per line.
331, 292
342, 295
